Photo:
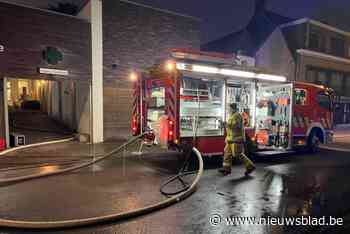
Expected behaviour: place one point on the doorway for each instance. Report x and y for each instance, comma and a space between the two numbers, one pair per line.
39, 110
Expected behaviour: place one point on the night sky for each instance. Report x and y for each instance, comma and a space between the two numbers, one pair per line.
222, 17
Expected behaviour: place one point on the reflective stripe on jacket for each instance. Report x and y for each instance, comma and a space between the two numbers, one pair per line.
234, 128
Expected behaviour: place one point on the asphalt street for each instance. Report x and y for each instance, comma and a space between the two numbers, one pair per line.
300, 184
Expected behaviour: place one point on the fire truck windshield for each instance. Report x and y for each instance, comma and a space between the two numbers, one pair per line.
324, 100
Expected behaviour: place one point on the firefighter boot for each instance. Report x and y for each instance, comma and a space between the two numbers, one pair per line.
238, 151
249, 170
250, 167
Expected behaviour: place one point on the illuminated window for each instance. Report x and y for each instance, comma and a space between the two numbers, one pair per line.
9, 97
156, 104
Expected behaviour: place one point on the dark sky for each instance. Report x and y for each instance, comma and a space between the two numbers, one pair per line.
220, 17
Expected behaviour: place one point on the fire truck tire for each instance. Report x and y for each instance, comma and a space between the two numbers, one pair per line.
314, 140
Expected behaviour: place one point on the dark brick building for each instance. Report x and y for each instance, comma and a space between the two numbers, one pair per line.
95, 52
26, 34
134, 38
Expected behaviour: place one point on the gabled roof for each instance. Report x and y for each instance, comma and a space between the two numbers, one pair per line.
251, 38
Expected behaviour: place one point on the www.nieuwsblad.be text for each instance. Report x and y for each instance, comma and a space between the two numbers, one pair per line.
216, 220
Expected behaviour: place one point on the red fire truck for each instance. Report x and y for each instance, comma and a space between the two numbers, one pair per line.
185, 101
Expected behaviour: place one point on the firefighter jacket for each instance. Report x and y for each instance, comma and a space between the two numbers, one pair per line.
235, 129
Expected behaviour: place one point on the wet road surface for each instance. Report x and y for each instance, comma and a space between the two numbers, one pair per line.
302, 184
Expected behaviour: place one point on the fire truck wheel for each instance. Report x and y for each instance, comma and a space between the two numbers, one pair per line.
314, 142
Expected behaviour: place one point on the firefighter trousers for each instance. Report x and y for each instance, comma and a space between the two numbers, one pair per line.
235, 150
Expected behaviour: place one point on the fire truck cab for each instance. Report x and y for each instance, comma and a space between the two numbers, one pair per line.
186, 99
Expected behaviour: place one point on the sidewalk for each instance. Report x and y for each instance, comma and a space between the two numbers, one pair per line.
341, 141
120, 183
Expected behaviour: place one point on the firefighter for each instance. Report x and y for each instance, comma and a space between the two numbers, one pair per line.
235, 143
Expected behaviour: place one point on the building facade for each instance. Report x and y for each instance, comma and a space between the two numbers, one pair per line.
83, 62
311, 51
33, 40
135, 37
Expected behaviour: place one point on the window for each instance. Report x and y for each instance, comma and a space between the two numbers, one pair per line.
337, 46
300, 97
311, 75
336, 81
322, 78
156, 105
324, 101
9, 94
347, 81
316, 42
194, 87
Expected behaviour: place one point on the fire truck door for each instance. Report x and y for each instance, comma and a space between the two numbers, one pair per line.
154, 106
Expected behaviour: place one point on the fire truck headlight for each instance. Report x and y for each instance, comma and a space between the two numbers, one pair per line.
133, 76
170, 66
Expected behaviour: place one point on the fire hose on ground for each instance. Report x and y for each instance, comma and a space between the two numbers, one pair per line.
80, 166
180, 195
182, 173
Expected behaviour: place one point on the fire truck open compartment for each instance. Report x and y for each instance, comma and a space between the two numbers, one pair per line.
204, 107
274, 115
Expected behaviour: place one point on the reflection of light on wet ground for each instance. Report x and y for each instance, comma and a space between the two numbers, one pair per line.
48, 169
276, 186
129, 202
250, 191
274, 191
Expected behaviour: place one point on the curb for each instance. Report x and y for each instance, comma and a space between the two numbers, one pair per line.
335, 148
35, 145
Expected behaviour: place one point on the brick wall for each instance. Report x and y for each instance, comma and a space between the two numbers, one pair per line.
135, 37
26, 32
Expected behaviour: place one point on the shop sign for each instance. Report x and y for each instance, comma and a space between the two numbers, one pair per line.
52, 55
2, 49
53, 72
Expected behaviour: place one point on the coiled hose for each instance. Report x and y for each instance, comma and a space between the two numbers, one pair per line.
112, 217
182, 173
